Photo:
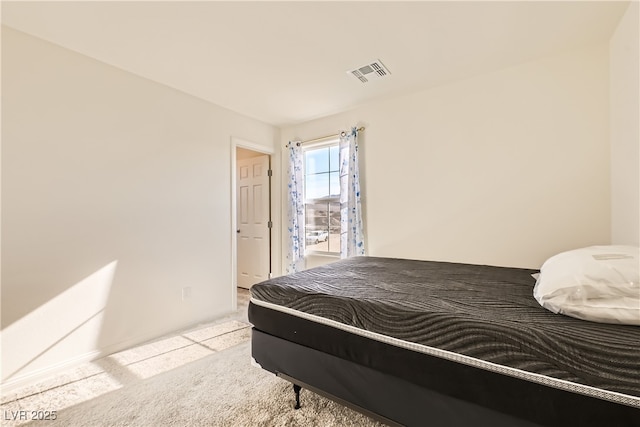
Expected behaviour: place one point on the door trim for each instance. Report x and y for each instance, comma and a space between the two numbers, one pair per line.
242, 143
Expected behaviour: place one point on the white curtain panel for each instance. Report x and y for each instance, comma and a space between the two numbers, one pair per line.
351, 226
295, 212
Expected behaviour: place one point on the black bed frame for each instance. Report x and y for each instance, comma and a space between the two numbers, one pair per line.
385, 398
396, 401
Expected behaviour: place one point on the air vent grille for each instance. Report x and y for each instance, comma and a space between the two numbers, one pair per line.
371, 71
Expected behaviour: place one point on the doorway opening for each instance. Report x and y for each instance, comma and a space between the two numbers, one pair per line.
252, 223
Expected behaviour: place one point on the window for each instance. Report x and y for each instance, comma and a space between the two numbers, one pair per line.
322, 198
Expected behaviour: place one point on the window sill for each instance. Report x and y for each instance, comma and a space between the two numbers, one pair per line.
316, 259
322, 254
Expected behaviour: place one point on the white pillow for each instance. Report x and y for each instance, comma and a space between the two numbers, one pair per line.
598, 283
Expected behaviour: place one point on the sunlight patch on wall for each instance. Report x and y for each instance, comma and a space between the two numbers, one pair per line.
58, 328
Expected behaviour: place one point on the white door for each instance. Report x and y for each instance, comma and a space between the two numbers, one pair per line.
253, 220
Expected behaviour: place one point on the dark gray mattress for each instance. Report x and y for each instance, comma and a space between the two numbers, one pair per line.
478, 315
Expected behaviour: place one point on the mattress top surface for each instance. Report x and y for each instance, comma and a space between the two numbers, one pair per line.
483, 312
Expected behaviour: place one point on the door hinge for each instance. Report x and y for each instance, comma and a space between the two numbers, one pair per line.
270, 172
270, 224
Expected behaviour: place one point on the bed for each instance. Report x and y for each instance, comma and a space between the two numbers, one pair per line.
412, 342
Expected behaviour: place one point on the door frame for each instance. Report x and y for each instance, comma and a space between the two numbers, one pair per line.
242, 143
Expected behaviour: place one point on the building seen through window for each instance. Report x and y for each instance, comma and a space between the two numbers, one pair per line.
322, 198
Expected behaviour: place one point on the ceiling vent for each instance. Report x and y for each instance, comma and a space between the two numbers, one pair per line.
372, 71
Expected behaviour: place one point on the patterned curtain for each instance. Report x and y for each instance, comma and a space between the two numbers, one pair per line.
295, 213
351, 228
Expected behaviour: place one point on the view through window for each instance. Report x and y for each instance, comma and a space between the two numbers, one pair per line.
322, 198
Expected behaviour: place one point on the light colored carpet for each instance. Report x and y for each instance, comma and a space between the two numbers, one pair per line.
201, 377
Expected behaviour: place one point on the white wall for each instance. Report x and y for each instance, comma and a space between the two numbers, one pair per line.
624, 68
506, 168
116, 195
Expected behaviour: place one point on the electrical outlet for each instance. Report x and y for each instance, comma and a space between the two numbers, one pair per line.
186, 293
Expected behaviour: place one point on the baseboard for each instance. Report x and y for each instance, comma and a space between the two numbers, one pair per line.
35, 376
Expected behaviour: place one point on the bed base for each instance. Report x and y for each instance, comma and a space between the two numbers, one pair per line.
299, 385
383, 397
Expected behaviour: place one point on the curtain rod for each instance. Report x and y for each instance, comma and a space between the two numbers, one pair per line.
343, 133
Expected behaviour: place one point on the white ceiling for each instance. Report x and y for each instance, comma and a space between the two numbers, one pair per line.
286, 62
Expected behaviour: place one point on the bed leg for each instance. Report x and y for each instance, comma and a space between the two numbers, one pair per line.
296, 390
